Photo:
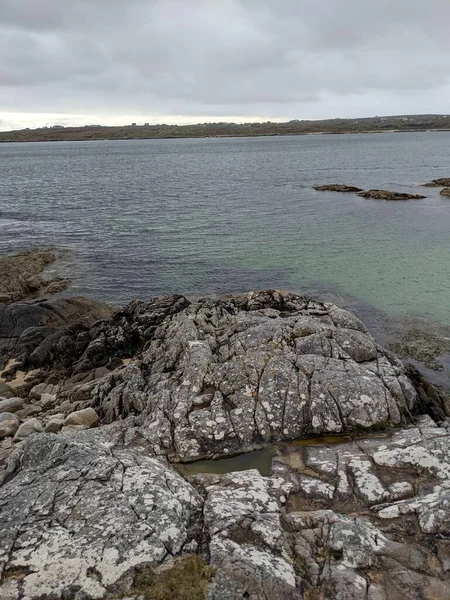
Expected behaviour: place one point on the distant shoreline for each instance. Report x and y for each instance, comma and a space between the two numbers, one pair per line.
400, 124
231, 135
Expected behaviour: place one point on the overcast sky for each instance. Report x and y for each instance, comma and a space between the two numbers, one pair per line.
117, 61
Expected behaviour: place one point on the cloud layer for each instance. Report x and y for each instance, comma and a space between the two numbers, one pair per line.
194, 60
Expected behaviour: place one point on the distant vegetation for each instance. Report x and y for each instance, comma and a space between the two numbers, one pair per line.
296, 127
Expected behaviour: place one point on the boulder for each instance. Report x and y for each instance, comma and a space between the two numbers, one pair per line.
86, 417
54, 425
11, 405
5, 390
386, 195
29, 411
9, 424
445, 192
28, 428
337, 188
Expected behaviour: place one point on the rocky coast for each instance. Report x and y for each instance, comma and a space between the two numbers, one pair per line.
102, 411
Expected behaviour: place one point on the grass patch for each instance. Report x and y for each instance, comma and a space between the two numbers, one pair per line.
187, 579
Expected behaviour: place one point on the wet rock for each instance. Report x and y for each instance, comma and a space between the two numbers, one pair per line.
442, 182
387, 195
11, 405
93, 516
28, 428
9, 423
21, 275
31, 332
337, 188
445, 192
86, 417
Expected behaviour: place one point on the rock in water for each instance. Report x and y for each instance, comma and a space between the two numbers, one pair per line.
386, 195
334, 187
21, 275
445, 192
442, 182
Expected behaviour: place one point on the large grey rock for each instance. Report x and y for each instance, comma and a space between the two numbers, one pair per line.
28, 428
92, 515
9, 423
222, 377
11, 405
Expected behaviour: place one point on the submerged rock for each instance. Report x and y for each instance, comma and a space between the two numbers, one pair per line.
337, 188
21, 275
386, 195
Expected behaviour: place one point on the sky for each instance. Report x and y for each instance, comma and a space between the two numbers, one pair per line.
113, 62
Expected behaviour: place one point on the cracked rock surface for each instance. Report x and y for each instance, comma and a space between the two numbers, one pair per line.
361, 513
222, 377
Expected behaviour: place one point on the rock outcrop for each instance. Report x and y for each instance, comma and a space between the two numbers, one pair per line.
445, 192
387, 195
21, 276
103, 513
335, 187
442, 182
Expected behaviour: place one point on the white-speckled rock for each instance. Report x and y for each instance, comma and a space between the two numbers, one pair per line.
88, 510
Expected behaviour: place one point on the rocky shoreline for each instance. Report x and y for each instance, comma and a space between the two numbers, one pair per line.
98, 407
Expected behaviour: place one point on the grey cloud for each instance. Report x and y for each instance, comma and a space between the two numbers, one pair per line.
285, 58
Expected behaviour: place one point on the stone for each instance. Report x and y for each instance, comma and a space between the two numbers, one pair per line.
386, 195
42, 388
9, 423
86, 417
29, 411
47, 400
5, 390
54, 425
337, 188
11, 405
445, 192
28, 428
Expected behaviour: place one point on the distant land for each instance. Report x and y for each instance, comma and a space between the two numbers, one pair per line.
134, 131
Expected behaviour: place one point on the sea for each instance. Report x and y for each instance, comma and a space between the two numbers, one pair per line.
205, 217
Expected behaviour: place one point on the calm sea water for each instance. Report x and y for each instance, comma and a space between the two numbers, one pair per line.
206, 216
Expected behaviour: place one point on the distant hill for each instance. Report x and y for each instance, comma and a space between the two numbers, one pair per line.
295, 127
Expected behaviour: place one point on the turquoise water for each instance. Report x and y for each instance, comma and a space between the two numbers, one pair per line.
206, 216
